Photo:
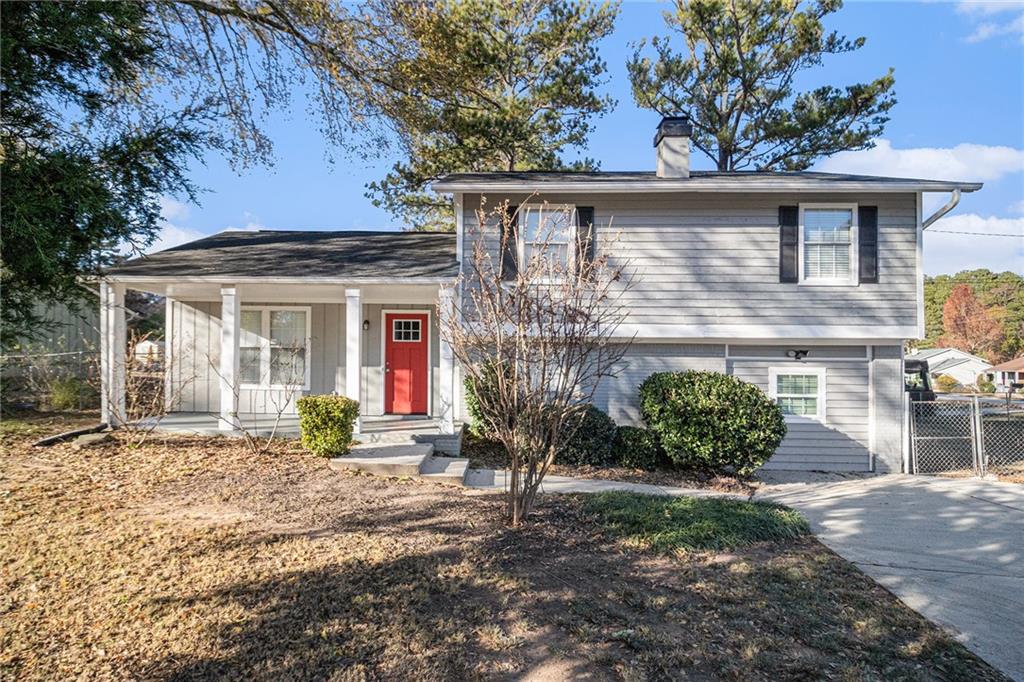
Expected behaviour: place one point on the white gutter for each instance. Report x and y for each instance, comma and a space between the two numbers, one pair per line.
950, 205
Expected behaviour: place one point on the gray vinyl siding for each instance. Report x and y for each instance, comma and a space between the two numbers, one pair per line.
887, 387
373, 362
618, 395
841, 442
854, 388
710, 262
195, 329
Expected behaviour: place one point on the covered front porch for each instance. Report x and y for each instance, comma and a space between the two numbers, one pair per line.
241, 346
379, 429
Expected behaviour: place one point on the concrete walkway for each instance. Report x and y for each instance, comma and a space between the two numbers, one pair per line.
953, 550
497, 481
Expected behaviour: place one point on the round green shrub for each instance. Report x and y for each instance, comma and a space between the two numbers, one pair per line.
638, 448
326, 423
593, 442
985, 385
947, 384
711, 421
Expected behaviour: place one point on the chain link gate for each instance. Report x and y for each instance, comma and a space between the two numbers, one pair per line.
967, 437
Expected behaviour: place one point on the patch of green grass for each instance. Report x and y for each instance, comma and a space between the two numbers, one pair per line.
672, 524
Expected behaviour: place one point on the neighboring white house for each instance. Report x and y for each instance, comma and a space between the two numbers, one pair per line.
962, 366
805, 284
1007, 373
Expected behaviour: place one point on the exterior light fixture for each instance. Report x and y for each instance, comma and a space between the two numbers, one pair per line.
366, 325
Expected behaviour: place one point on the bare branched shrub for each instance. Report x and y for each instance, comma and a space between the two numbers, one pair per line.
537, 319
288, 376
148, 396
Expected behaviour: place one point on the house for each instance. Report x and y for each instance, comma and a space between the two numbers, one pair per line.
806, 284
1007, 373
953, 362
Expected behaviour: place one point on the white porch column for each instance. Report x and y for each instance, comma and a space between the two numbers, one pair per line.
230, 319
113, 346
168, 358
354, 349
446, 313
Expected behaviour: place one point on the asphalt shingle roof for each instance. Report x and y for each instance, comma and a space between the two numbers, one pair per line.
273, 253
698, 179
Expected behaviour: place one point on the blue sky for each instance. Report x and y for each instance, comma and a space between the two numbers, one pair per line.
959, 82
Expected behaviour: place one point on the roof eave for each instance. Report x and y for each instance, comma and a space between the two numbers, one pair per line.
593, 186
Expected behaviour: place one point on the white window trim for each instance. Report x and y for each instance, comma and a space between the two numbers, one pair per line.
854, 278
265, 347
775, 372
546, 208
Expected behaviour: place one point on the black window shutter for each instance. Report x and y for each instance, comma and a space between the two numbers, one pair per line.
586, 237
867, 227
509, 245
789, 243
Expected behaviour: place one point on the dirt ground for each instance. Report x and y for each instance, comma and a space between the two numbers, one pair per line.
188, 558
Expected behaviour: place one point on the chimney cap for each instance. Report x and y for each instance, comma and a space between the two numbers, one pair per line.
673, 126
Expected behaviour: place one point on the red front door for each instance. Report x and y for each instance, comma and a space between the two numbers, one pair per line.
405, 363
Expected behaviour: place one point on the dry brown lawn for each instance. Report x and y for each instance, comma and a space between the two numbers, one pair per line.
187, 558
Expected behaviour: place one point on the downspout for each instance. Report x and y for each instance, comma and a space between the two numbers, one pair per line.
950, 205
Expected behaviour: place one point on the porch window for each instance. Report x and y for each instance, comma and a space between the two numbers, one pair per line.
250, 347
828, 244
546, 231
274, 346
799, 392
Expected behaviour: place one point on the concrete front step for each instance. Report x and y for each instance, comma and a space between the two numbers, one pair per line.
414, 460
449, 470
396, 459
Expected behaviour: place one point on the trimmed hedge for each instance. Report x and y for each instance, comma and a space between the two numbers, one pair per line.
711, 421
593, 442
326, 423
637, 448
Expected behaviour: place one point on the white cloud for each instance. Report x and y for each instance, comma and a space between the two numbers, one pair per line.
172, 209
174, 235
947, 250
172, 232
988, 7
969, 162
991, 24
991, 29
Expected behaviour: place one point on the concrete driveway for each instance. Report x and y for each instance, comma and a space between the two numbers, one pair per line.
953, 550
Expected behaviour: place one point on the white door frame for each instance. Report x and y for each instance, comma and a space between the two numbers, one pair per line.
385, 332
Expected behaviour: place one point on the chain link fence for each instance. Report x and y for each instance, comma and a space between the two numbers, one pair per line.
967, 437
1002, 439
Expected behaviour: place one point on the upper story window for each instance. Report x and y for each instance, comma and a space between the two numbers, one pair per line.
547, 230
828, 244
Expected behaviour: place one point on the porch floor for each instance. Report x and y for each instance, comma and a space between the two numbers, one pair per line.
375, 429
